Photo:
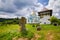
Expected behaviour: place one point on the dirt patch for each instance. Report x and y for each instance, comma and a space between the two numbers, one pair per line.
19, 38
23, 39
49, 36
36, 36
15, 38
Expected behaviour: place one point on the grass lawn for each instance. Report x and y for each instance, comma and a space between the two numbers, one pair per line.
47, 32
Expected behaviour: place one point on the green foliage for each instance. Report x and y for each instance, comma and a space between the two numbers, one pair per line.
53, 19
9, 21
59, 22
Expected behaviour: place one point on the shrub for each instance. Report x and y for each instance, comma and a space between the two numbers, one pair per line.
59, 22
53, 19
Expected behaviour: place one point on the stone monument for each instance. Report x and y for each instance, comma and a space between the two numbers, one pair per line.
22, 23
38, 27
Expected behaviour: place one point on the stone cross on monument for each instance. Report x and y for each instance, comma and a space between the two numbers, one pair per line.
22, 23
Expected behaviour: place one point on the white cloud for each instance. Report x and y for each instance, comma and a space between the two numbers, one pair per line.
50, 4
55, 6
38, 7
28, 10
7, 15
8, 6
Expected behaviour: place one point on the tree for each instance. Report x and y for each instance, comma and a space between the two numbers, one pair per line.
59, 22
53, 19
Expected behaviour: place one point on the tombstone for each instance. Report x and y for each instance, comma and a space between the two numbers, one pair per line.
22, 23
55, 24
38, 27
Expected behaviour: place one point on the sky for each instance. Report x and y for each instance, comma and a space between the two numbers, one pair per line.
18, 8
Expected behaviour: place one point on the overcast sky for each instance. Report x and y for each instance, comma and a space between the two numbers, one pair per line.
14, 8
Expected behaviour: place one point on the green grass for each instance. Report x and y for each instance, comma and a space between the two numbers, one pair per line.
8, 28
10, 31
54, 30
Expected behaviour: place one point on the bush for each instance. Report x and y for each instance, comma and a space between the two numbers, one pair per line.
59, 22
53, 20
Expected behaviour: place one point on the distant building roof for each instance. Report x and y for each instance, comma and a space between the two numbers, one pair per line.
44, 11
